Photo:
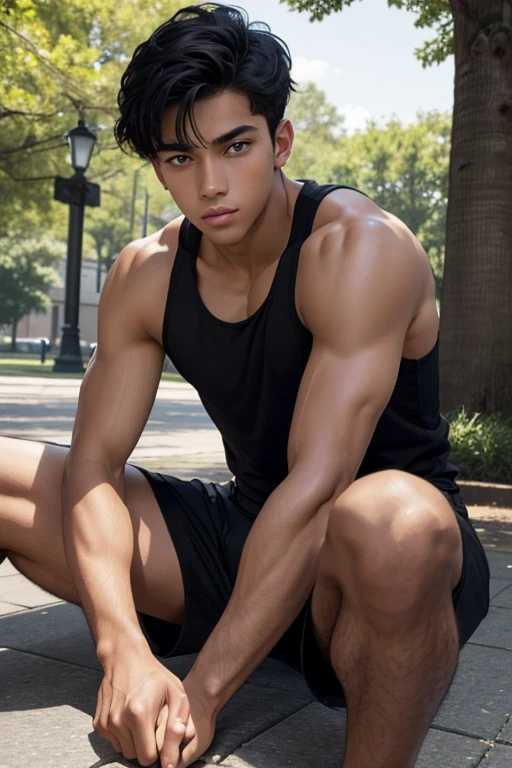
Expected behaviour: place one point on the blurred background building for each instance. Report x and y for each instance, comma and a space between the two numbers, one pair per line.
49, 325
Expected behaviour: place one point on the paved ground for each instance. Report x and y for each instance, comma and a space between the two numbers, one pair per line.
49, 674
44, 409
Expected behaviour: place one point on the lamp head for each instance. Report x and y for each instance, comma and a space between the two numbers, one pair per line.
81, 142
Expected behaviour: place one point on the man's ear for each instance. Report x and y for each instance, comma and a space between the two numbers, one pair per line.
158, 171
283, 143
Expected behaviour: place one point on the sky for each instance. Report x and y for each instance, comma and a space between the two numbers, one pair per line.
363, 58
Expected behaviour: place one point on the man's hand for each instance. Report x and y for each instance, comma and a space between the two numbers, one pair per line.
201, 723
200, 728
133, 693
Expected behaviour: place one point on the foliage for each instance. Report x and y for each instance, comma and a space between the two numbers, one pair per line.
482, 446
431, 13
26, 275
309, 110
314, 158
318, 125
59, 61
108, 228
403, 168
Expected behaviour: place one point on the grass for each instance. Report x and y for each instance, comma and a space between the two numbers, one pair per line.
14, 365
30, 365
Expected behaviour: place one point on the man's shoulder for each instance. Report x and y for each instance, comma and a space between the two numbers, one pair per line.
346, 214
138, 281
354, 239
348, 209
151, 252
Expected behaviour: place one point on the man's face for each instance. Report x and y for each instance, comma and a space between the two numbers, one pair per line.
235, 171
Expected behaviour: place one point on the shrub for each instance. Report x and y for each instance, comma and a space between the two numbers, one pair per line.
482, 446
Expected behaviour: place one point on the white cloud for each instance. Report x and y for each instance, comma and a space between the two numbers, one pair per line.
355, 117
315, 70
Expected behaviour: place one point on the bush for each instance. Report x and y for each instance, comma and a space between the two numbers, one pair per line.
482, 446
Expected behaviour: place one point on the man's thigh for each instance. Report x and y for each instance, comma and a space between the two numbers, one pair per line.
209, 532
31, 528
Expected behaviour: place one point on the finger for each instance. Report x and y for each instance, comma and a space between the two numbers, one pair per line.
144, 737
173, 736
120, 732
97, 714
100, 722
160, 727
190, 731
127, 746
179, 710
189, 754
149, 736
119, 725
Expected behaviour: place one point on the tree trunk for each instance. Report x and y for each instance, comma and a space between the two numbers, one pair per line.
14, 331
476, 303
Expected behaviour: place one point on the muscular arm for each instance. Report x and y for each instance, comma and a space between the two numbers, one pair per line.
116, 397
363, 287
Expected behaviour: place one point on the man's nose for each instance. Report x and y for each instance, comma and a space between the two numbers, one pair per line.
212, 182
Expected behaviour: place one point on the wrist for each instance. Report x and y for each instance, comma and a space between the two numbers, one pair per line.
207, 689
111, 649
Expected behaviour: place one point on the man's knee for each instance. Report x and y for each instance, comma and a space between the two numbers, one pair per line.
392, 533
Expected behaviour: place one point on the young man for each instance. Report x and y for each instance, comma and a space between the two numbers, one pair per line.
305, 316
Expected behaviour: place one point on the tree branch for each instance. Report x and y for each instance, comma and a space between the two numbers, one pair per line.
23, 147
18, 178
6, 112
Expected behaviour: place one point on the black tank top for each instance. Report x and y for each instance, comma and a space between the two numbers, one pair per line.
248, 374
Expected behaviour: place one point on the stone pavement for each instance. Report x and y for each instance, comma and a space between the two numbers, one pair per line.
49, 674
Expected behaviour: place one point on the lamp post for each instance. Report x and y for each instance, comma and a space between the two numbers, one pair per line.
77, 192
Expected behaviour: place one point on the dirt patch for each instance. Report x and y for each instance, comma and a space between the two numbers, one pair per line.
498, 514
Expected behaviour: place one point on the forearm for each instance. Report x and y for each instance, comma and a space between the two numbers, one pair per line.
276, 575
98, 541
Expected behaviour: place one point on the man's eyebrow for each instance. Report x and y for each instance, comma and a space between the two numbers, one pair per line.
229, 136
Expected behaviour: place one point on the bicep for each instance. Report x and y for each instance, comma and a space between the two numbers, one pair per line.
339, 403
120, 384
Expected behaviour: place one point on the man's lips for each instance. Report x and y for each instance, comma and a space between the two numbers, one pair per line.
221, 216
213, 212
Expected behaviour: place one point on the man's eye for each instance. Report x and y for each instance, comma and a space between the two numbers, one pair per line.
239, 145
178, 160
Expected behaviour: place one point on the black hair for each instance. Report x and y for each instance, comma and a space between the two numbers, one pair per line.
200, 52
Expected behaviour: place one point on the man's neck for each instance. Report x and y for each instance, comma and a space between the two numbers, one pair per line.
267, 238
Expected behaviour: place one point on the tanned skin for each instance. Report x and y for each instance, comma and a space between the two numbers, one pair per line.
381, 554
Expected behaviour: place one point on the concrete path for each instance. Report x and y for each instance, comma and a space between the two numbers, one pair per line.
49, 674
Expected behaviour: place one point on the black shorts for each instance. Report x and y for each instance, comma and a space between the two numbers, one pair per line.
209, 530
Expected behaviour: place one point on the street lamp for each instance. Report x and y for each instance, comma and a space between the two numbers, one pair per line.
77, 192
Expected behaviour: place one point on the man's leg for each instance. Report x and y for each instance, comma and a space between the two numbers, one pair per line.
31, 529
382, 610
